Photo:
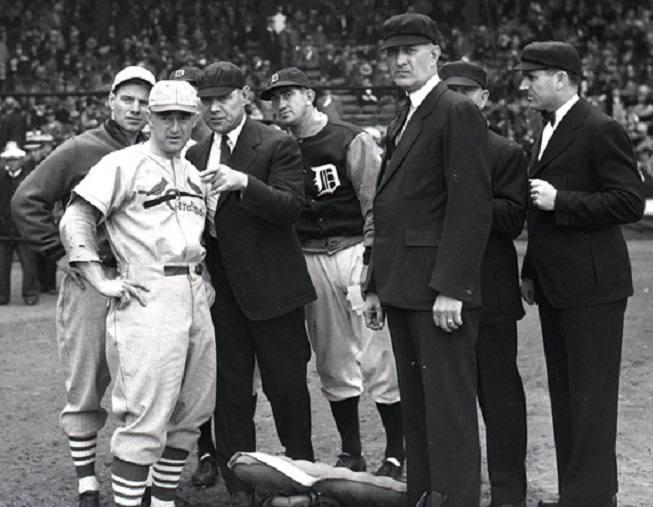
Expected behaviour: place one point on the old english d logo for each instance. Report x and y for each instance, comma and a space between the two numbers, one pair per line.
326, 179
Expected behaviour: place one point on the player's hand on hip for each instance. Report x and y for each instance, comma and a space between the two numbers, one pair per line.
74, 273
124, 290
528, 290
223, 178
373, 312
447, 313
543, 194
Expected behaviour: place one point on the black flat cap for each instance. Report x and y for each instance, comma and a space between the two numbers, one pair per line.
463, 73
550, 55
408, 29
219, 79
290, 76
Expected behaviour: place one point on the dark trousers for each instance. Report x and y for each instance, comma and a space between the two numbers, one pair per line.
437, 382
503, 405
583, 359
27, 258
282, 350
46, 269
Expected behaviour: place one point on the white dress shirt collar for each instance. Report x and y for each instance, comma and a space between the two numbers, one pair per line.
418, 96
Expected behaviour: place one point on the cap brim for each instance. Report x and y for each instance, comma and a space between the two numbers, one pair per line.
395, 41
462, 81
136, 80
216, 91
173, 107
530, 66
267, 93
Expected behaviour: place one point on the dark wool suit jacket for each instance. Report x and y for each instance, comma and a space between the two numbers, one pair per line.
577, 252
500, 270
258, 245
433, 206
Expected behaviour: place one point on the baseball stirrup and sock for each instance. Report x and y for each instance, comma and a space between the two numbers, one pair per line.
166, 475
82, 450
345, 413
394, 430
128, 481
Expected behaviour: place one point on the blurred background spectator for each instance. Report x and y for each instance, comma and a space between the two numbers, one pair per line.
73, 47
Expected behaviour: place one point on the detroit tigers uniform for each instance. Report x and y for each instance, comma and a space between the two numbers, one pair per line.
154, 211
334, 228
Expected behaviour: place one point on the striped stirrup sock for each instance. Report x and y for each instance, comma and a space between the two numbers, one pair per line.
167, 473
128, 481
82, 449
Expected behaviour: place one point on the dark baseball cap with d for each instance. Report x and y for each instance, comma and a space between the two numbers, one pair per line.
408, 30
219, 79
290, 76
186, 73
463, 73
550, 55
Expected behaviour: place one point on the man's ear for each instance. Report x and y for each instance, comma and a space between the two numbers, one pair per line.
484, 98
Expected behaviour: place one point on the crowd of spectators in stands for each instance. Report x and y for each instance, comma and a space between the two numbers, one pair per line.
74, 47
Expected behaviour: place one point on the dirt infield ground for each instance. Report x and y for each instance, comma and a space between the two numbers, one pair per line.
35, 468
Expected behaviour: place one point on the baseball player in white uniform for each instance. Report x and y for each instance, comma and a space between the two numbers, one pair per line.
81, 310
341, 164
152, 203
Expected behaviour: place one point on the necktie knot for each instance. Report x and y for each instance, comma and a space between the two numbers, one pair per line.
548, 118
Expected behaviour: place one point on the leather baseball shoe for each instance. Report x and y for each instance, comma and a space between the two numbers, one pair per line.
89, 499
390, 469
206, 474
355, 464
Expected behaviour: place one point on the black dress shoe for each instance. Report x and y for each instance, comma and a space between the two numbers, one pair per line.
31, 300
206, 474
542, 503
89, 499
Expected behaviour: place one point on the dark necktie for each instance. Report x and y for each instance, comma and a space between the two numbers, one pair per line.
225, 151
548, 118
397, 127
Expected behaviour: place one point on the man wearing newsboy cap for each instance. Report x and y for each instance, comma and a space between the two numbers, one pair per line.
432, 216
584, 185
258, 270
500, 388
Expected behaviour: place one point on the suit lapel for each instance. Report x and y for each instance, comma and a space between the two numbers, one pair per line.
411, 133
244, 153
204, 149
563, 136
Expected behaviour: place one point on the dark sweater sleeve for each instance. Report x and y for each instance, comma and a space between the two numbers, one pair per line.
34, 201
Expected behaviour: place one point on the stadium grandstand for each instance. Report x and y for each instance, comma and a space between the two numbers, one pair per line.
57, 58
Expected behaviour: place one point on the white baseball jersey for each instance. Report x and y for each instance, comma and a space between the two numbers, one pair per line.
144, 193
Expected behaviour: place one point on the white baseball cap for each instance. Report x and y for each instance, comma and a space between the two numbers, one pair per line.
173, 96
133, 73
